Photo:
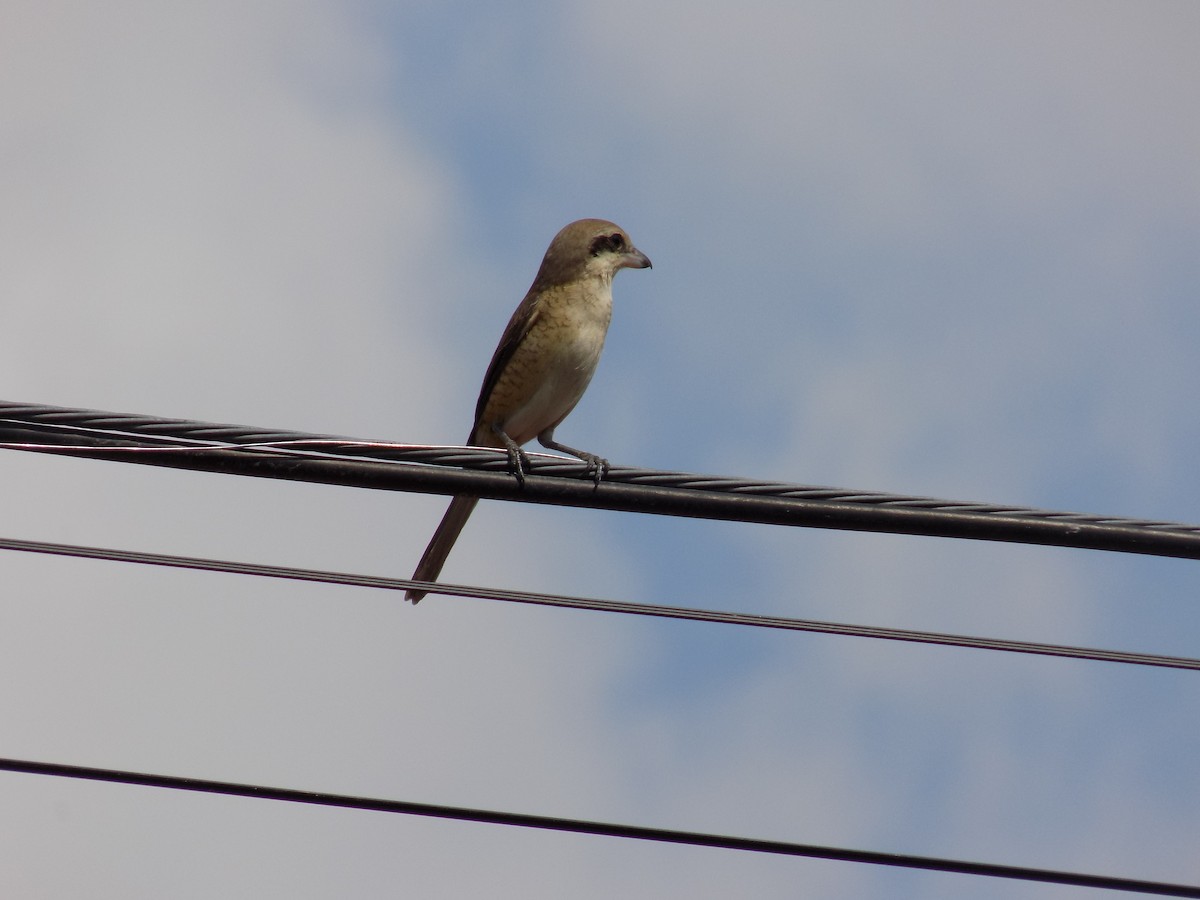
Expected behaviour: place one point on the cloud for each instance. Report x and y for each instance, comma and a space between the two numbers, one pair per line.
212, 200
940, 250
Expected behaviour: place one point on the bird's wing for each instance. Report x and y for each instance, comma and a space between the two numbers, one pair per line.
518, 326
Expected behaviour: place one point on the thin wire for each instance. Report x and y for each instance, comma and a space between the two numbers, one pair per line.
605, 829
331, 459
613, 606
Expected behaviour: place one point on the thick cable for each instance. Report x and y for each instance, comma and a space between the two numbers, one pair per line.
330, 459
604, 829
598, 605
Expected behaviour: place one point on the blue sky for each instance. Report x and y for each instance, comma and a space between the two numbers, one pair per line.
935, 248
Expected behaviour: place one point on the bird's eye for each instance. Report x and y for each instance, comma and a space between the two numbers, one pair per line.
608, 243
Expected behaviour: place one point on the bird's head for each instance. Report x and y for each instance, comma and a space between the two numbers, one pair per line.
589, 248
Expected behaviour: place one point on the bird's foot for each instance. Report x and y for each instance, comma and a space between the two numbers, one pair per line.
518, 464
518, 459
597, 466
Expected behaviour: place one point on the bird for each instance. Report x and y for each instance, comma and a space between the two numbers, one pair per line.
544, 361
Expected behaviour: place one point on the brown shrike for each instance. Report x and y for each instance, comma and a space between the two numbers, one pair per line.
545, 359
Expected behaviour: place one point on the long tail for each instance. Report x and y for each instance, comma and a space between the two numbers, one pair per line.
439, 545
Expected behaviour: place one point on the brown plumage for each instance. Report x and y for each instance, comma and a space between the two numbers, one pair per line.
544, 361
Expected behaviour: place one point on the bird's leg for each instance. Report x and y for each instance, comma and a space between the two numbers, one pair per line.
597, 466
518, 461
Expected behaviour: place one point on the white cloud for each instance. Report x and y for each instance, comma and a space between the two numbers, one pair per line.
213, 201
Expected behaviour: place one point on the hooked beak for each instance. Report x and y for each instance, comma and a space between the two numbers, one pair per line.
635, 259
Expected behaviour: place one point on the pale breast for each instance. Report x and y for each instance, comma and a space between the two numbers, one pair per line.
552, 368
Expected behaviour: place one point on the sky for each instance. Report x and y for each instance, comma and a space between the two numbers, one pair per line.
933, 248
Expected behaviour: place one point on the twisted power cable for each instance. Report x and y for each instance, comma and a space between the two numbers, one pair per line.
332, 459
